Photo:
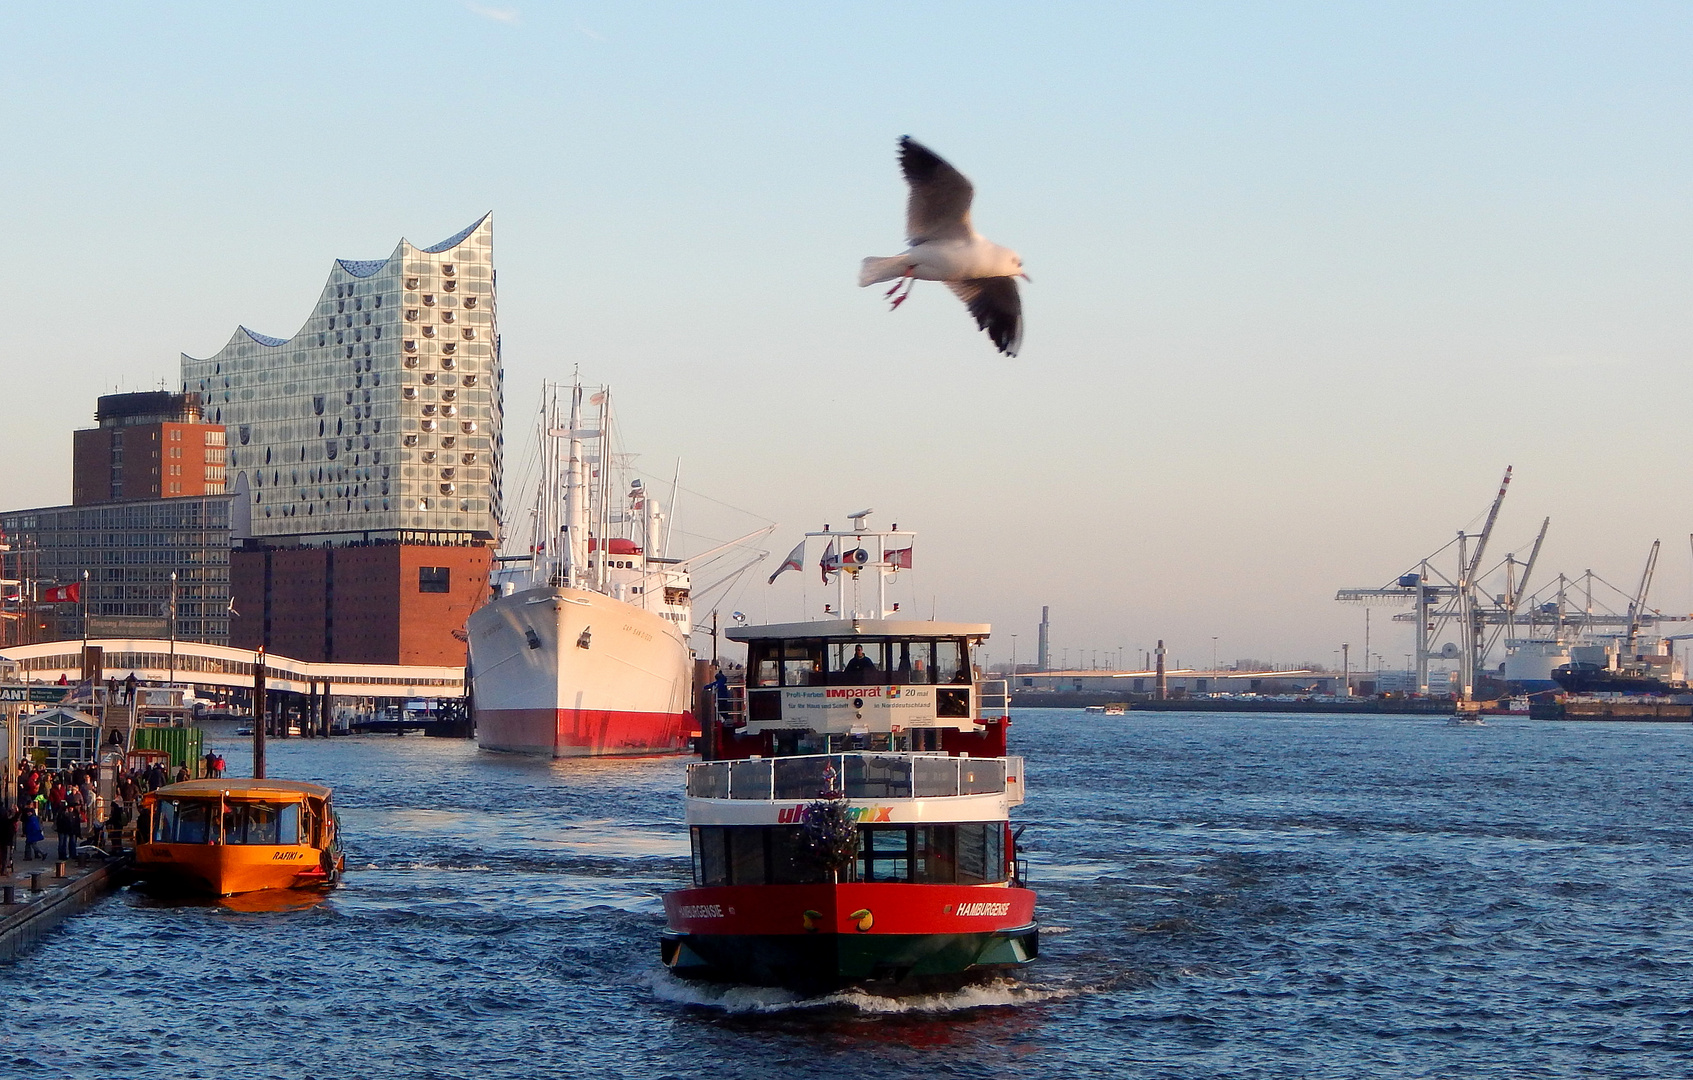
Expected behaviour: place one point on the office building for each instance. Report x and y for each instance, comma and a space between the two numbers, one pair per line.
152, 445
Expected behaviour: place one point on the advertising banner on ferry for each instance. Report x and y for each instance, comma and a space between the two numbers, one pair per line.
864, 708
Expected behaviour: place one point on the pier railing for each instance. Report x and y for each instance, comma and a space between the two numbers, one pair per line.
856, 776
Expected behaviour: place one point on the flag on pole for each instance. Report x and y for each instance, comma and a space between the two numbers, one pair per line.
831, 562
794, 561
900, 558
63, 594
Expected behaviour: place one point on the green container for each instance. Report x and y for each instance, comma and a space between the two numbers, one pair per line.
183, 744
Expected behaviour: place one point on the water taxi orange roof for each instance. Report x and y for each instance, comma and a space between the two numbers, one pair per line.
243, 787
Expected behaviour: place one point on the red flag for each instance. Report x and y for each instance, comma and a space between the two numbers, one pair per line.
900, 559
63, 594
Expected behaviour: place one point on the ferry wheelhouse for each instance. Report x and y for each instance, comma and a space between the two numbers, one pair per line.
226, 837
850, 825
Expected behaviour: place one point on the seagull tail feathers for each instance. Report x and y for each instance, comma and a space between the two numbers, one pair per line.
876, 269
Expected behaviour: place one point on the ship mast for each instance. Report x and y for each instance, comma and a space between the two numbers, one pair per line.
575, 498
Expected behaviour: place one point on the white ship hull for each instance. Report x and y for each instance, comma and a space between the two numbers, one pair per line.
573, 673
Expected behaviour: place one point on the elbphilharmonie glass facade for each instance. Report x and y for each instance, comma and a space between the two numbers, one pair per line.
379, 419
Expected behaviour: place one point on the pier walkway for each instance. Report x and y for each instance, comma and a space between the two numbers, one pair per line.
41, 900
154, 660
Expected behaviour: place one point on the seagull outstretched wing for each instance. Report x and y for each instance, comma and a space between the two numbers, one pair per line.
939, 207
997, 306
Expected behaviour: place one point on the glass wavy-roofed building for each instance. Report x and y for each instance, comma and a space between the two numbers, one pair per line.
379, 419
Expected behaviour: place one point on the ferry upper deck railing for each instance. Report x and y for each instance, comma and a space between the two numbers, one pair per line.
993, 699
857, 776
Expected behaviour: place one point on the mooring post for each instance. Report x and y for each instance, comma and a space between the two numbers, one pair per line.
259, 715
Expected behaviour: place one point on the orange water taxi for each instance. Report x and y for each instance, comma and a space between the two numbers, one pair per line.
232, 836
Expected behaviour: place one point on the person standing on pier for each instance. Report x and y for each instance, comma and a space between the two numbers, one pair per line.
33, 834
68, 824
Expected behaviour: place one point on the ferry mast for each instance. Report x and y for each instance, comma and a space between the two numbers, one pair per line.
846, 562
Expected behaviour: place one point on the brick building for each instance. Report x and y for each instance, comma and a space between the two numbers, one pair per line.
152, 445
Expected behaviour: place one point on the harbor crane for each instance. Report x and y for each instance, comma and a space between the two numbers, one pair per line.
1486, 603
1440, 600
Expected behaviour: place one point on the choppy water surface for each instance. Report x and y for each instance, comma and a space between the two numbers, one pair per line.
1224, 896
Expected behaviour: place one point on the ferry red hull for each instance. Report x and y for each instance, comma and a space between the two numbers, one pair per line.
584, 732
817, 938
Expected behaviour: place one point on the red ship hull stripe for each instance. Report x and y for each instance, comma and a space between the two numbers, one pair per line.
583, 732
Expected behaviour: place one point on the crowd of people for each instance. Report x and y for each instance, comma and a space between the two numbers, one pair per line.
69, 801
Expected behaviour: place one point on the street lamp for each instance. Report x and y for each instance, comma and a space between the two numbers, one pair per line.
1213, 654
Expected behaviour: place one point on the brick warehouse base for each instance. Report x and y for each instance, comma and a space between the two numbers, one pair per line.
362, 604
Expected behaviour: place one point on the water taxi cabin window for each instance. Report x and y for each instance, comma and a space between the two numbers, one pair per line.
184, 822
261, 823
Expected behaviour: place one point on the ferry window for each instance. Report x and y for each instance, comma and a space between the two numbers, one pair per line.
762, 659
949, 662
858, 663
791, 860
981, 853
934, 854
711, 855
915, 661
884, 854
952, 703
801, 672
746, 855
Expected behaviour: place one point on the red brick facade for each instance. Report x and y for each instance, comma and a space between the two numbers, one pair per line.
374, 604
146, 461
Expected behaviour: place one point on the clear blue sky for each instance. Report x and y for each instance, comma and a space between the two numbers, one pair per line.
1306, 276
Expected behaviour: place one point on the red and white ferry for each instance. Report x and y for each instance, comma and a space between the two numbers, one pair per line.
850, 824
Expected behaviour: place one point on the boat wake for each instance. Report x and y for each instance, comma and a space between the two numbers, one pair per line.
998, 994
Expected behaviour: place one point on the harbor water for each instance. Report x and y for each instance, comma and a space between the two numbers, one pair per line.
1223, 896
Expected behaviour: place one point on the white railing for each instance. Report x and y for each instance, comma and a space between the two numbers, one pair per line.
856, 776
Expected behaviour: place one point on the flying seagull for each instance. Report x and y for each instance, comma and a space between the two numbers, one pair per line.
945, 248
